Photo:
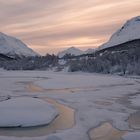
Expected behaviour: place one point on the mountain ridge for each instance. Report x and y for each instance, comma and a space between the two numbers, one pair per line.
72, 51
14, 47
128, 32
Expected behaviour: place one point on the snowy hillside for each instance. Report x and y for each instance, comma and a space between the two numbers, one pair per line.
128, 32
89, 51
73, 51
14, 47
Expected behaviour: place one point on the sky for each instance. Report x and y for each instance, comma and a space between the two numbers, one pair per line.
49, 26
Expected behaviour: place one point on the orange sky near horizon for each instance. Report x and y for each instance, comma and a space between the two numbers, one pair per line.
49, 26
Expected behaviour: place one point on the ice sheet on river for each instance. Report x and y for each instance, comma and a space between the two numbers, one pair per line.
25, 112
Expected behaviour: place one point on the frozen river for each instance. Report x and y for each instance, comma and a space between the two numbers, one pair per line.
87, 104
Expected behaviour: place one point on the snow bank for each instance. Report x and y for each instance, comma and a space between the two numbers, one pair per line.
25, 112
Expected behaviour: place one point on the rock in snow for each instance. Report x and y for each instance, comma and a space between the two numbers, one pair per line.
26, 112
14, 47
128, 32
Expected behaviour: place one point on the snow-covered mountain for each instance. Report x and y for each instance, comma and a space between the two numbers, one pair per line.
72, 50
11, 46
128, 32
89, 51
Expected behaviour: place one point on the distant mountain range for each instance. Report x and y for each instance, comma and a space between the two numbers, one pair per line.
74, 52
13, 47
127, 35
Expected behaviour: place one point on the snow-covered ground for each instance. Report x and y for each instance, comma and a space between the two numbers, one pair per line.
26, 112
94, 98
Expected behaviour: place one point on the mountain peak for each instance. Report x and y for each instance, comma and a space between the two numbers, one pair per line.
72, 50
72, 47
89, 51
132, 22
11, 46
128, 32
134, 19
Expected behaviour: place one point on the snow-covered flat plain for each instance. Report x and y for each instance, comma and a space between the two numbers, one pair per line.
95, 98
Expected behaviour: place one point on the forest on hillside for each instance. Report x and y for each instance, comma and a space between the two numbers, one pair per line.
109, 62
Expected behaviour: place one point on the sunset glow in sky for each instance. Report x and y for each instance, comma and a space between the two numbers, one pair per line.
48, 26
